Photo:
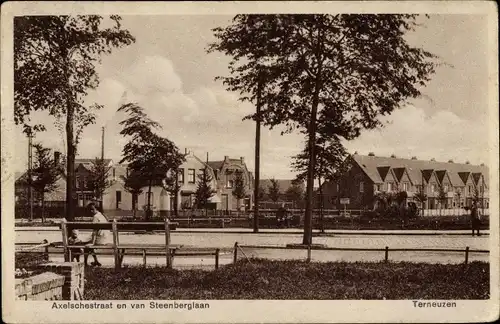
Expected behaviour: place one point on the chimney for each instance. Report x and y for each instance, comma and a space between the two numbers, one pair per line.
450, 161
57, 158
226, 157
185, 150
433, 160
467, 162
207, 157
242, 159
482, 164
355, 152
371, 154
413, 157
393, 156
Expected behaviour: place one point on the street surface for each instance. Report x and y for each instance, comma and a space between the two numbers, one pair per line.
225, 238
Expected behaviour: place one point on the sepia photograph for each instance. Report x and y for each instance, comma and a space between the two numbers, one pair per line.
185, 157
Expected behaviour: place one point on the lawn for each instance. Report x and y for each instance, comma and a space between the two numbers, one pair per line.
265, 279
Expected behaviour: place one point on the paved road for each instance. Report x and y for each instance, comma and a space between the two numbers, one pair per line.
346, 240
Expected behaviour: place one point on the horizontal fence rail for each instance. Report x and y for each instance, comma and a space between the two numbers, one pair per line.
310, 248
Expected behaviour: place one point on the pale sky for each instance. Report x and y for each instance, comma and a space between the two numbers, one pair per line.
168, 72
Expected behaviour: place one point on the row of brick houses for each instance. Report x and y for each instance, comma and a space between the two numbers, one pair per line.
369, 174
117, 198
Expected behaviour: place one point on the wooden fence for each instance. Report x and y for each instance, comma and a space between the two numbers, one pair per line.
386, 250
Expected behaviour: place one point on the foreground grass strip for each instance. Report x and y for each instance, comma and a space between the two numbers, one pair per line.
265, 279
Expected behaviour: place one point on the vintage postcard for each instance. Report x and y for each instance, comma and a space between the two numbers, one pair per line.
250, 162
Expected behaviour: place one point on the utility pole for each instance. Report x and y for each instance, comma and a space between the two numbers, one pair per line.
30, 173
103, 167
257, 155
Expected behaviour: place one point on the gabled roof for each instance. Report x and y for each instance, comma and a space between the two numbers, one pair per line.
427, 173
476, 177
383, 171
398, 172
369, 165
440, 174
464, 176
216, 165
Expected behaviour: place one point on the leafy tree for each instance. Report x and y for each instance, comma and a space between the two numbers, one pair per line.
274, 190
99, 179
133, 183
54, 67
263, 196
45, 174
295, 193
330, 164
332, 74
147, 153
239, 187
172, 185
421, 197
204, 190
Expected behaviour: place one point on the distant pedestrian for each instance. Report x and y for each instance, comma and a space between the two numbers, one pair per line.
99, 237
475, 219
281, 215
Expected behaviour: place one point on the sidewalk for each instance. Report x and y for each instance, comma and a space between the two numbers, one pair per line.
293, 231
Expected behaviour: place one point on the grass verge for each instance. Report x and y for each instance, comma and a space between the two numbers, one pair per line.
265, 279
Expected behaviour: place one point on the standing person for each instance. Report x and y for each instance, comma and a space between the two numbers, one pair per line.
99, 237
475, 220
74, 240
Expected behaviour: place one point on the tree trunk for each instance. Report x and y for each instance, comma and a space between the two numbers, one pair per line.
134, 199
70, 163
43, 208
176, 203
307, 239
148, 208
257, 157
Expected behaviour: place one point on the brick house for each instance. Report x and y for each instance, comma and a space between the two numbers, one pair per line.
225, 173
369, 174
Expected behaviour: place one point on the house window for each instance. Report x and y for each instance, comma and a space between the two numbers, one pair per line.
406, 186
445, 188
180, 175
191, 177
389, 186
229, 183
361, 186
433, 187
114, 174
77, 182
469, 189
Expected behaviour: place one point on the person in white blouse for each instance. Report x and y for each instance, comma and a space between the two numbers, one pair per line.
99, 237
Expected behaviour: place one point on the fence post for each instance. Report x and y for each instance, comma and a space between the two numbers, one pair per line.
144, 257
235, 255
386, 254
308, 253
167, 243
114, 228
466, 255
217, 258
64, 231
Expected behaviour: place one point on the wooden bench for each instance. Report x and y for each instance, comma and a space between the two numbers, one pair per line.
116, 227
